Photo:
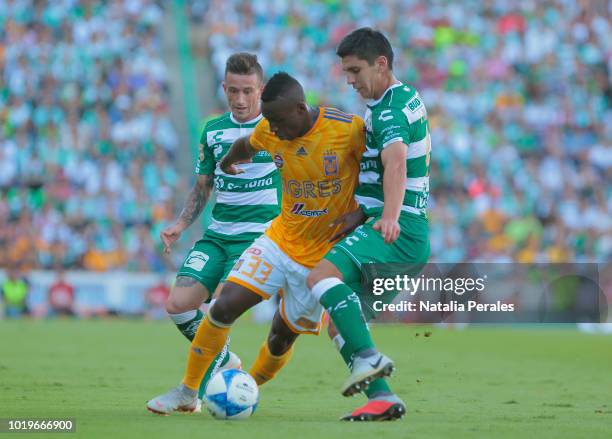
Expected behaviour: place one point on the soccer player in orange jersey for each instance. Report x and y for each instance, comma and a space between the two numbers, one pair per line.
318, 151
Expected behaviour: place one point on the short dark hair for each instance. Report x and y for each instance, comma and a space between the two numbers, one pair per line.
282, 84
243, 63
367, 44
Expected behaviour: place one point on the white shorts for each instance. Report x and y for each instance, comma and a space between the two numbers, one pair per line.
265, 269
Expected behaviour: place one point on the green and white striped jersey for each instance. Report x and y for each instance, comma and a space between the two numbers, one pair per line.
398, 116
246, 203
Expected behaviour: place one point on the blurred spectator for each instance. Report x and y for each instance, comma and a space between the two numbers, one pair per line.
61, 296
155, 298
15, 291
87, 150
519, 97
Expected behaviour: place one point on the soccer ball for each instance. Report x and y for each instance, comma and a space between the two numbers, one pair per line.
231, 394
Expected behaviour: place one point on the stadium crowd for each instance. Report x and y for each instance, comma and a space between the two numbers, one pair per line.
519, 101
518, 95
87, 150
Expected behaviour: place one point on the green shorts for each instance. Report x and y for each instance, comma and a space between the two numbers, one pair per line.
367, 246
210, 260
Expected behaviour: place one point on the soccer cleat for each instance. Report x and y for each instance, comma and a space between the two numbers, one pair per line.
234, 362
365, 370
179, 399
377, 410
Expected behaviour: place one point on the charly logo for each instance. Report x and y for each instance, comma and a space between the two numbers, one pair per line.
385, 115
196, 260
217, 137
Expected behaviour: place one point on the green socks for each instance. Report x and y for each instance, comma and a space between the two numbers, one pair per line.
188, 322
343, 307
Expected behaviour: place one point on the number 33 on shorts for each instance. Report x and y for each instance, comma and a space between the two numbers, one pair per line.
265, 269
252, 265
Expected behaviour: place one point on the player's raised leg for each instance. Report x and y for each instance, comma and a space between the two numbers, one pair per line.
343, 306
382, 403
208, 342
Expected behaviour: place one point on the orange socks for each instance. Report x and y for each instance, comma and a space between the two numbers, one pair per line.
267, 365
206, 345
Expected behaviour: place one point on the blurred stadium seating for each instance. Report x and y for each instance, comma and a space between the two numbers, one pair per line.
519, 100
87, 150
518, 95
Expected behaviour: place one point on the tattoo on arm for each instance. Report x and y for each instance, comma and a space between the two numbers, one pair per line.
196, 200
184, 281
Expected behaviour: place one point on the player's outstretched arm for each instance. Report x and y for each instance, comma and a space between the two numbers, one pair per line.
241, 151
196, 200
394, 186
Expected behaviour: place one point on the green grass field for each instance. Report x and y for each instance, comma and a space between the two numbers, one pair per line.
479, 382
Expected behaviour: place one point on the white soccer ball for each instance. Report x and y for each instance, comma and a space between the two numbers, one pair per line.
231, 394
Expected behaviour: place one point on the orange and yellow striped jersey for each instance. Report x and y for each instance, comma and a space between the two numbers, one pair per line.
319, 172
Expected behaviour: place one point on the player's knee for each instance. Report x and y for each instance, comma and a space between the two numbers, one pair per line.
177, 305
323, 270
314, 277
185, 298
232, 302
279, 343
223, 311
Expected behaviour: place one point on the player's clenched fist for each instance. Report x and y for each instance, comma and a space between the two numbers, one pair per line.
389, 229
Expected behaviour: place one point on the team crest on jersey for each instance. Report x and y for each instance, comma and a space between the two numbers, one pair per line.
330, 164
278, 161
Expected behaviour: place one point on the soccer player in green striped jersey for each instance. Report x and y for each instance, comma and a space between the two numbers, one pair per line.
245, 205
392, 193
